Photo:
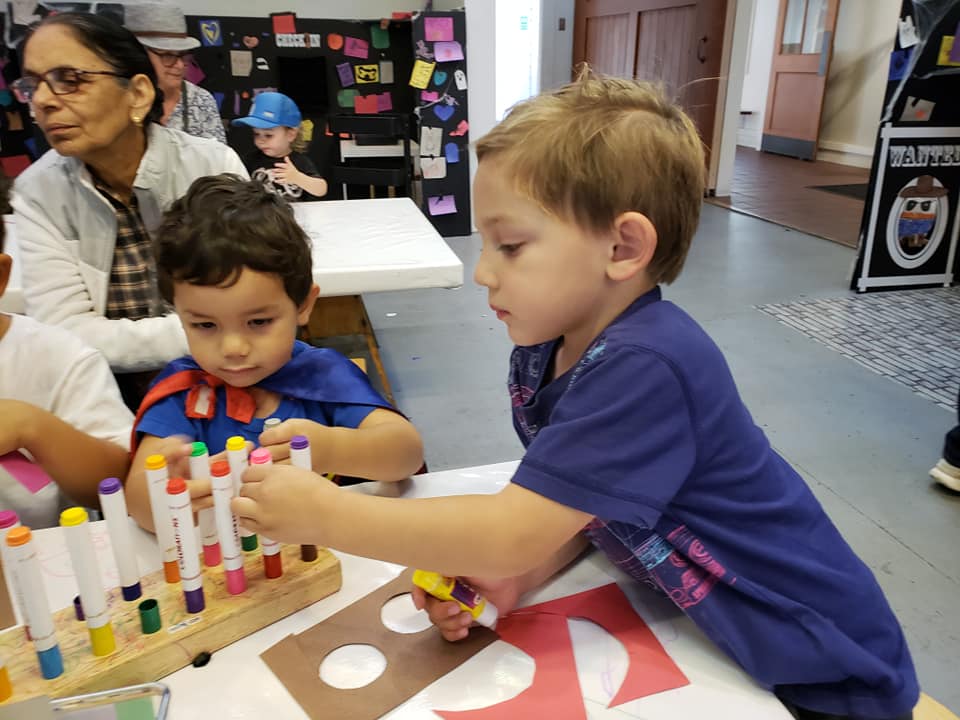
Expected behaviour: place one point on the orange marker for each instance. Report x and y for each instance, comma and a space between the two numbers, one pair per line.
157, 484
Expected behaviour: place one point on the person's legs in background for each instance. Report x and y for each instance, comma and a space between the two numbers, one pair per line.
947, 471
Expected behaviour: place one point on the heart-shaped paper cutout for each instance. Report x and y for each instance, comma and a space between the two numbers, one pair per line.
439, 77
211, 31
250, 41
334, 41
442, 111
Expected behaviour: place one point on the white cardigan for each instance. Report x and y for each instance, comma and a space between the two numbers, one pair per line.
67, 230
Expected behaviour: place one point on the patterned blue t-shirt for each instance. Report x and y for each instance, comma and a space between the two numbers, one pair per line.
648, 433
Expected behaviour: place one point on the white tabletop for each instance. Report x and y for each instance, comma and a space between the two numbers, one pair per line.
238, 685
359, 246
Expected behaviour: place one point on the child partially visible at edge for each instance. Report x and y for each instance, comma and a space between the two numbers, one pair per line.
279, 163
637, 442
60, 403
237, 268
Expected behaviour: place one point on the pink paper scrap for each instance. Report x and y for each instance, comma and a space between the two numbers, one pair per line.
24, 471
442, 205
438, 28
355, 47
448, 51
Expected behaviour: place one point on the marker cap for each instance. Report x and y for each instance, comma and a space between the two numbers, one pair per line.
109, 486
78, 607
155, 462
149, 616
299, 442
6, 689
221, 468
101, 639
248, 542
176, 485
194, 600
131, 592
8, 518
71, 517
199, 448
260, 456
236, 443
18, 536
51, 662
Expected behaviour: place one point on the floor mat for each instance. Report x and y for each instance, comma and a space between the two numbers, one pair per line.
911, 336
857, 191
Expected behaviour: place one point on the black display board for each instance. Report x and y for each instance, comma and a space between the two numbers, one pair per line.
911, 219
440, 81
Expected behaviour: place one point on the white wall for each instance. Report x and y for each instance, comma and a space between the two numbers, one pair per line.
857, 79
736, 44
756, 76
556, 46
517, 52
334, 9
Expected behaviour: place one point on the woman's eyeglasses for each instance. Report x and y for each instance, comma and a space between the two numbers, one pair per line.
61, 81
169, 59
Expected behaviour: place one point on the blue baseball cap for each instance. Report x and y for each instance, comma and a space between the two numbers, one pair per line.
271, 109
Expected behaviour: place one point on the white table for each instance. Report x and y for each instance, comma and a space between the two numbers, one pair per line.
359, 246
238, 685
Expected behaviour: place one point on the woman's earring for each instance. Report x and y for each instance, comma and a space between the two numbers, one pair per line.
138, 121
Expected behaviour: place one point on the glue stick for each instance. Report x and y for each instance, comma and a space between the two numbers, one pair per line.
200, 470
272, 562
227, 529
157, 484
447, 588
76, 531
114, 507
300, 457
237, 456
27, 565
181, 519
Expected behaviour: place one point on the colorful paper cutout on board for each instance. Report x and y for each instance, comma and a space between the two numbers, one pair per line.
193, 73
420, 75
386, 72
444, 112
15, 164
899, 61
250, 41
236, 103
262, 64
6, 98
345, 73
24, 471
355, 47
955, 48
365, 105
433, 168
444, 205
430, 140
906, 32
306, 130
423, 51
429, 96
241, 63
439, 78
451, 153
210, 33
334, 41
366, 73
284, 23
460, 78
379, 37
345, 98
438, 28
448, 51
946, 52
541, 632
917, 110
384, 102
218, 98
462, 127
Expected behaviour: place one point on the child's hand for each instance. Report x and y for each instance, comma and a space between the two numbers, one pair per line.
454, 623
286, 172
277, 439
176, 449
284, 503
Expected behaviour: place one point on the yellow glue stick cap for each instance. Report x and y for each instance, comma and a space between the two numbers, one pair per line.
101, 639
71, 517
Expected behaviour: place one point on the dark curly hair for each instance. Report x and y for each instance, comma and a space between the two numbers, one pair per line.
225, 224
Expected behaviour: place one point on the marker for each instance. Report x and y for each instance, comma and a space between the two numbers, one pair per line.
237, 455
272, 562
9, 520
113, 503
76, 531
271, 423
157, 484
227, 529
447, 588
300, 457
200, 470
181, 518
27, 571
6, 689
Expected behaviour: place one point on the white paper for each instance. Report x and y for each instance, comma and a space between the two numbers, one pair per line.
433, 168
386, 72
430, 139
908, 33
460, 78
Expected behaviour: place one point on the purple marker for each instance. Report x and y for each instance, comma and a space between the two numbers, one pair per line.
184, 534
114, 506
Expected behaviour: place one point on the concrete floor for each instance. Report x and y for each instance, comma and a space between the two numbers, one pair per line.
863, 442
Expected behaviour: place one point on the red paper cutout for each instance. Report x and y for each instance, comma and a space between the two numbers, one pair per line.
365, 104
284, 24
541, 632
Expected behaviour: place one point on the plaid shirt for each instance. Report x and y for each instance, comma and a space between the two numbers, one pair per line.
132, 292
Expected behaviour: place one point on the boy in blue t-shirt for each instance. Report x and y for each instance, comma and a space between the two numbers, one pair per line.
637, 441
238, 269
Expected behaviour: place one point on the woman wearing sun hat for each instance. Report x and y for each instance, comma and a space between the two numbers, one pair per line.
162, 30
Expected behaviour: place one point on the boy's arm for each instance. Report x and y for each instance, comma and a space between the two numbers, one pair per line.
76, 461
495, 536
177, 452
385, 446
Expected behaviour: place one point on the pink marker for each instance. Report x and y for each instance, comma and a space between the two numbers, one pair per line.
227, 529
272, 562
184, 534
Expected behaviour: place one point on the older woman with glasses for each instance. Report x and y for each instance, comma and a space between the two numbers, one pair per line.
162, 30
84, 211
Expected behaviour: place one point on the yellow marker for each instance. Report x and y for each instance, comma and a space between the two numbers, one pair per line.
6, 689
76, 530
446, 588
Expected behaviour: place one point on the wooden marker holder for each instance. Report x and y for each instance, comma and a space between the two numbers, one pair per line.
146, 658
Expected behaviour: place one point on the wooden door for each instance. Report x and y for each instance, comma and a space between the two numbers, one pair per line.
676, 42
798, 77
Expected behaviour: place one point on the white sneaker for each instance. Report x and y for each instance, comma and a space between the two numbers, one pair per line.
946, 474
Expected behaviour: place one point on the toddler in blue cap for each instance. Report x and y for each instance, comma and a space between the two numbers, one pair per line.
279, 163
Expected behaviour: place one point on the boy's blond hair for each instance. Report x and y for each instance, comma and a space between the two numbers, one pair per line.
602, 146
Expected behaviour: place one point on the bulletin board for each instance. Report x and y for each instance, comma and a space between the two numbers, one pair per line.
440, 78
911, 219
